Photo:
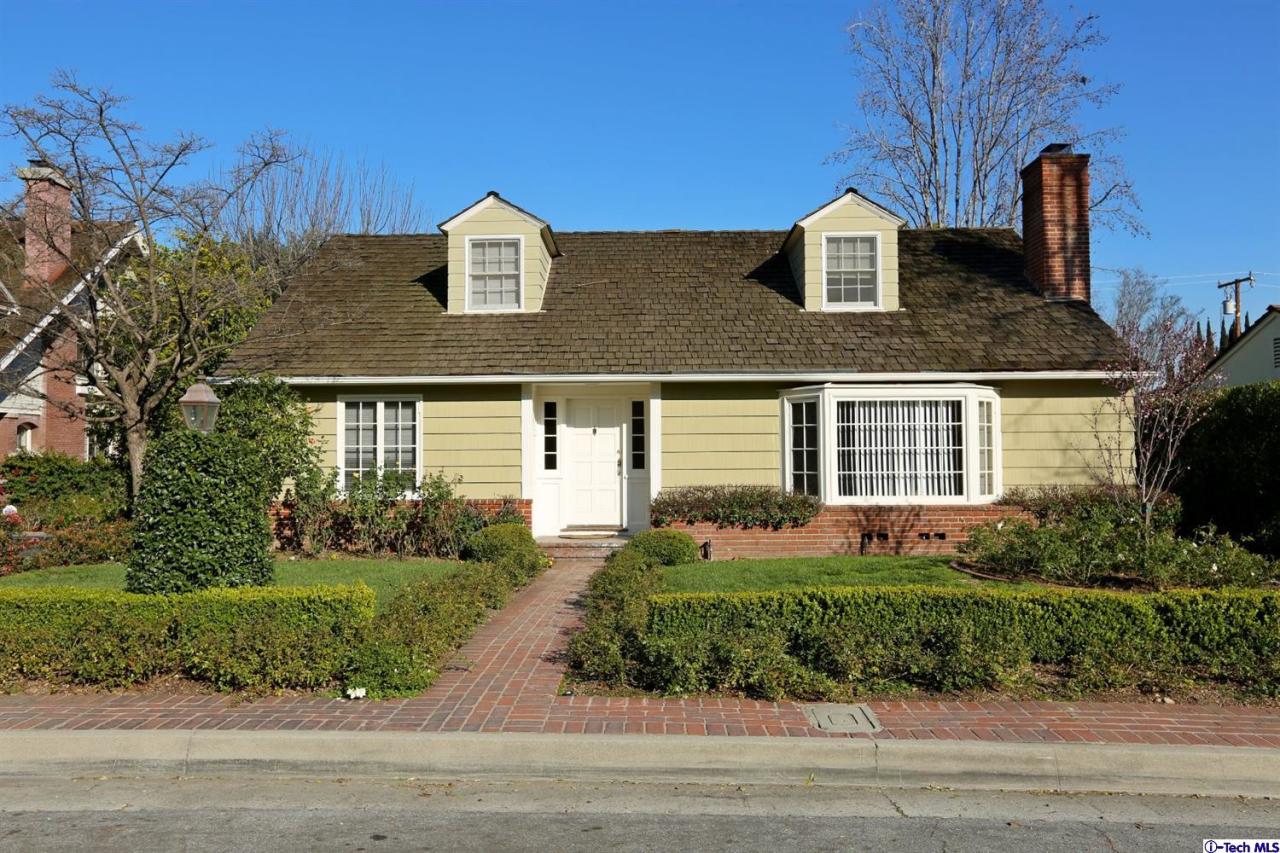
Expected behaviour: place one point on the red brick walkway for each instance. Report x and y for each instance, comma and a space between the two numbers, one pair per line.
506, 678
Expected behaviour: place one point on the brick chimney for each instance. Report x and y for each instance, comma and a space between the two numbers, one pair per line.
47, 223
1055, 222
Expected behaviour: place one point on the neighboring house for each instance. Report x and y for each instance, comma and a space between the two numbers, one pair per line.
45, 260
891, 371
1255, 355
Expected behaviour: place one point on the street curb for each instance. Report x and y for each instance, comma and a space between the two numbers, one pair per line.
1136, 769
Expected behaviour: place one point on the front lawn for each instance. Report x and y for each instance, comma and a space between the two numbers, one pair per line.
385, 577
800, 572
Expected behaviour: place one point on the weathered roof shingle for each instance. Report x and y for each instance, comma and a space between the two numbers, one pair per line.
670, 302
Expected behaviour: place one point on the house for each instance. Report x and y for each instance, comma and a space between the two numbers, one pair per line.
47, 259
907, 377
1255, 355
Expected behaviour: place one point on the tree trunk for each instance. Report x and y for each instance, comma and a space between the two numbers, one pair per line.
135, 440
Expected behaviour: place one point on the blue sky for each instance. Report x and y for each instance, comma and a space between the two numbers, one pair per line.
660, 114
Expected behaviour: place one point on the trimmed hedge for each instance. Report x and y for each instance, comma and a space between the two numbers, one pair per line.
666, 547
497, 540
400, 653
834, 643
234, 639
733, 506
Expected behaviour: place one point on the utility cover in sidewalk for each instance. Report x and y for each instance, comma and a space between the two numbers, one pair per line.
842, 718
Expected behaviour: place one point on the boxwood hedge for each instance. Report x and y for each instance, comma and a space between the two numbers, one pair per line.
251, 638
834, 643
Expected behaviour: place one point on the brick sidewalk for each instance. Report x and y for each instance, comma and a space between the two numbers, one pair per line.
505, 680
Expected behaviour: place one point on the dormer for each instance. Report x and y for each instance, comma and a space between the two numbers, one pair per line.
499, 258
844, 255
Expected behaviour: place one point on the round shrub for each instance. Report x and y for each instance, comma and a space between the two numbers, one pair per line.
666, 547
498, 540
201, 517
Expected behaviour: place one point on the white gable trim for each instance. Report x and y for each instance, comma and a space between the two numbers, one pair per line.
489, 201
851, 197
134, 235
1248, 339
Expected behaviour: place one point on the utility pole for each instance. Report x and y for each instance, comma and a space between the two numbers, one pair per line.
1232, 305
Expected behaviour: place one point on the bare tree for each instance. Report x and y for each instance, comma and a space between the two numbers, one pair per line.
194, 260
1164, 384
957, 95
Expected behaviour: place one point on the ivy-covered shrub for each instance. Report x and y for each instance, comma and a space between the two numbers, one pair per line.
275, 422
733, 506
666, 547
1091, 537
201, 517
245, 639
1230, 461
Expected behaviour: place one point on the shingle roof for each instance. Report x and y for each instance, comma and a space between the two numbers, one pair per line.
670, 302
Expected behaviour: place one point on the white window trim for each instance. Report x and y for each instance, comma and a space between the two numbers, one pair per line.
341, 441
845, 306
466, 281
829, 395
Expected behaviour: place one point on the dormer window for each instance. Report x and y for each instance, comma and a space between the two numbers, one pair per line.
851, 271
495, 276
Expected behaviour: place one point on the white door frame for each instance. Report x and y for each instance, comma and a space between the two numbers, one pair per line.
549, 489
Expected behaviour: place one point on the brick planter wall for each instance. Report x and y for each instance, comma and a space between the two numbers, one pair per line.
285, 534
908, 530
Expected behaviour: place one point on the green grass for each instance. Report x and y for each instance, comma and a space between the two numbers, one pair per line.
794, 572
384, 576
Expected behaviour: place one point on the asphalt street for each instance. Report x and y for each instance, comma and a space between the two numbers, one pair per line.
272, 813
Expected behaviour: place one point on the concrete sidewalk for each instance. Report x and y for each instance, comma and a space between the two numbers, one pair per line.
495, 712
1208, 771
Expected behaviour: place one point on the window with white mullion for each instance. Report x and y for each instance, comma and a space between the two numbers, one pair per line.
379, 436
493, 278
851, 270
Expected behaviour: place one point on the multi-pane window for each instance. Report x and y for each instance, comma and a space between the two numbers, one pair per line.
900, 448
637, 435
378, 435
850, 263
550, 446
986, 448
804, 447
493, 280
360, 441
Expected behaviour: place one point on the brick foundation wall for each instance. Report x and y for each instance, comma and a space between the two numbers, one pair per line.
836, 530
285, 534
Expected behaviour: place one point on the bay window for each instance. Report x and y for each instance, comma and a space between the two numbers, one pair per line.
886, 445
378, 435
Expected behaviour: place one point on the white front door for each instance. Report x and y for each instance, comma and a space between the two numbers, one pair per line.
594, 456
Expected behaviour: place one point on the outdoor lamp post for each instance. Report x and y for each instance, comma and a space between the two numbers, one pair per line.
200, 407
